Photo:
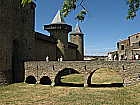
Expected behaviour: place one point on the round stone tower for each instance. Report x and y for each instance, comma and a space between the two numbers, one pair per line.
7, 26
24, 40
27, 34
12, 30
76, 37
59, 30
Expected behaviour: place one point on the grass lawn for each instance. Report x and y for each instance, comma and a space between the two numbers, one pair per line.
26, 94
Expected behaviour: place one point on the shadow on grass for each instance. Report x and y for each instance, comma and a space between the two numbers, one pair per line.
107, 85
70, 85
92, 85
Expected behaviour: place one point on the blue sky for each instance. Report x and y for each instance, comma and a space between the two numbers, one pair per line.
104, 25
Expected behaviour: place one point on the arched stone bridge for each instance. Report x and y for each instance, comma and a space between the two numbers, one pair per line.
53, 70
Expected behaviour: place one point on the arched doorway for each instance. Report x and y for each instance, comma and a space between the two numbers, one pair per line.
68, 77
105, 77
31, 80
45, 80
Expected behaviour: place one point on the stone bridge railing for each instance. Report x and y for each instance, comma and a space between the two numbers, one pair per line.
53, 70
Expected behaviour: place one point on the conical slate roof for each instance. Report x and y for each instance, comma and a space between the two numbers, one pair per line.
77, 30
58, 23
58, 19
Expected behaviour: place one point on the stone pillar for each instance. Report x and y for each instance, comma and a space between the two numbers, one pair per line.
53, 81
86, 80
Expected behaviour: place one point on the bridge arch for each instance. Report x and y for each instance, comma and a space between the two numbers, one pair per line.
114, 73
31, 79
45, 80
64, 72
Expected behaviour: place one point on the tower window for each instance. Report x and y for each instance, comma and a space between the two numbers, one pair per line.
118, 45
139, 43
137, 37
122, 47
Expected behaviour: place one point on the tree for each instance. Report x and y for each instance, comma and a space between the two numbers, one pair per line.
69, 5
134, 6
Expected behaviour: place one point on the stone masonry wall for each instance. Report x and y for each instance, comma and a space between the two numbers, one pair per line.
72, 54
42, 49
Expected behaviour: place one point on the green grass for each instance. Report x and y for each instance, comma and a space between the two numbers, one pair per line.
101, 76
25, 94
73, 78
106, 76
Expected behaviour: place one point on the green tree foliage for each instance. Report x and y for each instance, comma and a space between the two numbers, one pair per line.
134, 6
23, 2
69, 5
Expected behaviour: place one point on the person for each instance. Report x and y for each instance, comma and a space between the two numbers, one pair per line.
125, 57
137, 56
109, 57
61, 59
58, 59
119, 58
115, 57
47, 59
